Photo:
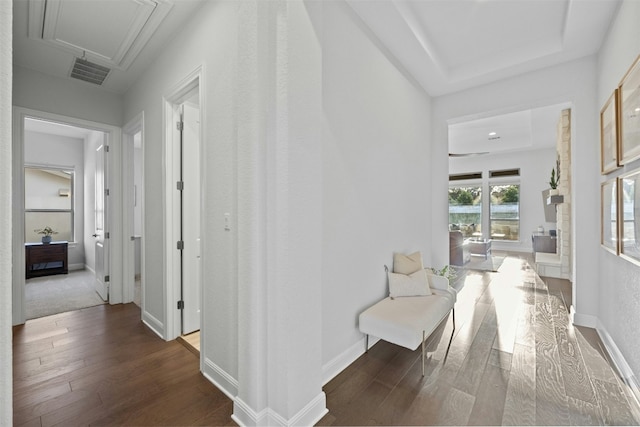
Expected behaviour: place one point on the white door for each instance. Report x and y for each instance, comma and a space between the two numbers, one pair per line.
101, 252
191, 261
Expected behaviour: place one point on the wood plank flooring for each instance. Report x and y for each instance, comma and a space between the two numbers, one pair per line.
514, 359
102, 366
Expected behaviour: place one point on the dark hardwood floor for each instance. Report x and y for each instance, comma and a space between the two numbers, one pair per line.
102, 366
514, 359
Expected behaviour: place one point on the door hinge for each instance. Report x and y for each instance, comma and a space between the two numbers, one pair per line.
180, 245
106, 148
180, 126
180, 185
106, 191
106, 235
180, 305
106, 278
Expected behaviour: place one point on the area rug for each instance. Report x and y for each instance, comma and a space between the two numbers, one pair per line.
492, 263
49, 295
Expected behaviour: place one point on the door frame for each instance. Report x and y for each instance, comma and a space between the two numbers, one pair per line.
170, 175
128, 203
113, 135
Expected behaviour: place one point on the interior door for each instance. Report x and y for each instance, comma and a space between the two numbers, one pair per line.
101, 242
191, 261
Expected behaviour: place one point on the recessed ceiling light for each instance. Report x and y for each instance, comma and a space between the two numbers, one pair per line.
492, 134
637, 110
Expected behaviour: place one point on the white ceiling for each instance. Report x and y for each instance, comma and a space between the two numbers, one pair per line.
446, 45
53, 128
124, 35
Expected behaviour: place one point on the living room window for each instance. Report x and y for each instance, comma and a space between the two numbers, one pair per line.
48, 202
465, 210
504, 212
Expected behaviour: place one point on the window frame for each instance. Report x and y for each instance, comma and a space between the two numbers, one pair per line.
72, 185
477, 183
497, 183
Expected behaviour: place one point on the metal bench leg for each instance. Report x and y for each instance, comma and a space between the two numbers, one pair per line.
423, 339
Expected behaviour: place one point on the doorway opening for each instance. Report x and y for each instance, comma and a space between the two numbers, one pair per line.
183, 211
133, 219
60, 237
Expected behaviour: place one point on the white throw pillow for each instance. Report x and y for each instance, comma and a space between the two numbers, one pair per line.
412, 285
407, 264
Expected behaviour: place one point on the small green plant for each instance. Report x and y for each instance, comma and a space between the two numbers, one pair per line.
555, 176
47, 231
553, 182
447, 271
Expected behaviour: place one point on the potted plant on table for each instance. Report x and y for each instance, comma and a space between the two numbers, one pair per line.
46, 232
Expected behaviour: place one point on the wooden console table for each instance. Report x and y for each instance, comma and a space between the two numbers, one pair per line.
45, 259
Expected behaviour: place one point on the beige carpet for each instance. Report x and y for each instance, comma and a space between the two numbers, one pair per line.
49, 295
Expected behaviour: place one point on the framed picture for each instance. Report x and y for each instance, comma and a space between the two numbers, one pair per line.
609, 143
609, 215
629, 117
630, 216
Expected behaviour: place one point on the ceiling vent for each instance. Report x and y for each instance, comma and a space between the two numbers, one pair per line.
89, 72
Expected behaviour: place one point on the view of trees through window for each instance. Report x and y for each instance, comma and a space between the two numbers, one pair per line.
504, 212
465, 210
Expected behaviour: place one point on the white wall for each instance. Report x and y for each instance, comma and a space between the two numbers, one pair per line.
535, 169
42, 92
55, 150
6, 367
208, 40
573, 83
618, 290
376, 176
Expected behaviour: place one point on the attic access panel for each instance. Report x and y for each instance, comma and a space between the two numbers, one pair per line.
109, 32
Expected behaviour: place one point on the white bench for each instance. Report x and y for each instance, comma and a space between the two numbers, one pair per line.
408, 321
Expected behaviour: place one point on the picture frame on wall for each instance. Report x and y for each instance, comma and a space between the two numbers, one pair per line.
629, 214
629, 114
609, 215
609, 135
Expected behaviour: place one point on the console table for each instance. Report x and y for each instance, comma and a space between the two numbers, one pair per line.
45, 259
543, 242
480, 247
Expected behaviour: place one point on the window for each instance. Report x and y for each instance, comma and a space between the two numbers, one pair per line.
48, 201
465, 210
504, 212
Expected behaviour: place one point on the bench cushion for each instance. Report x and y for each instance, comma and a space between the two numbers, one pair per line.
401, 321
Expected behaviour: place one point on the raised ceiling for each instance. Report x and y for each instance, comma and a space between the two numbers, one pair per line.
451, 45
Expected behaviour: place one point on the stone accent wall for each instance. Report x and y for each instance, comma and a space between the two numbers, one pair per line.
563, 214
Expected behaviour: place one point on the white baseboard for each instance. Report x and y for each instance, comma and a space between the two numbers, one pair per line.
309, 415
619, 361
86, 267
344, 359
154, 324
75, 267
221, 379
585, 320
